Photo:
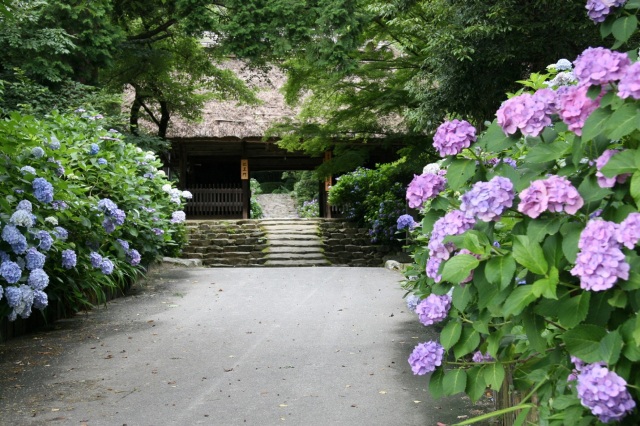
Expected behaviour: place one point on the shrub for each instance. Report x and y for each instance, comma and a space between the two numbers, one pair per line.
81, 212
309, 209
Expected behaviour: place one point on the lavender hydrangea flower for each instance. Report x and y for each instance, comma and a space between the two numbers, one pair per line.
106, 266
599, 66
629, 86
119, 217
95, 259
480, 357
133, 257
600, 261
157, 231
453, 223
598, 10
60, 233
102, 161
412, 302
38, 279
59, 205
604, 393
107, 206
453, 136
22, 218
124, 244
25, 205
487, 200
425, 187
69, 259
178, 217
46, 241
43, 190
406, 222
37, 152
108, 225
10, 271
426, 357
606, 182
528, 113
628, 232
54, 143
554, 194
11, 234
574, 106
34, 259
433, 309
27, 170
94, 149
40, 299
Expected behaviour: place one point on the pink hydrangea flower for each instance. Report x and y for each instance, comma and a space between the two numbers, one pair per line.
599, 66
628, 233
433, 309
453, 136
533, 200
527, 112
574, 106
629, 85
555, 194
425, 187
606, 182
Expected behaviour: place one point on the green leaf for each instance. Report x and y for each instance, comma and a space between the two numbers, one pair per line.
574, 310
462, 295
610, 347
618, 300
459, 267
454, 382
631, 350
476, 242
428, 220
595, 124
563, 402
459, 172
622, 162
583, 341
499, 270
624, 27
495, 140
634, 189
436, 388
450, 334
529, 254
519, 299
542, 153
591, 191
469, 341
570, 236
623, 121
476, 386
85, 222
547, 286
534, 325
494, 375
636, 332
487, 292
540, 228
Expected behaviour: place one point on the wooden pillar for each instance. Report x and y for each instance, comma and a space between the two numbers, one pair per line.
182, 178
246, 188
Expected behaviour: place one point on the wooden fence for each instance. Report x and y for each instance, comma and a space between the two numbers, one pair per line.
219, 200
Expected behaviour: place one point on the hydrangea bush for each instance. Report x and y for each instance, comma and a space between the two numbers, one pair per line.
528, 258
80, 212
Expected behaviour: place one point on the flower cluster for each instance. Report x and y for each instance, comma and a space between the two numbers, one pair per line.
629, 86
480, 357
603, 181
113, 215
597, 66
94, 149
600, 261
487, 200
554, 194
406, 222
453, 136
412, 302
433, 309
69, 259
598, 10
42, 190
574, 106
528, 113
178, 217
453, 223
425, 187
426, 357
603, 392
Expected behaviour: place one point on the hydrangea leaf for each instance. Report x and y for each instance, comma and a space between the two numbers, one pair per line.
494, 375
623, 28
595, 124
450, 334
631, 350
487, 292
570, 236
546, 286
622, 162
481, 323
529, 254
455, 381
636, 332
519, 299
562, 402
469, 341
632, 4
599, 310
459, 172
538, 229
476, 384
583, 341
623, 121
542, 153
435, 383
428, 220
635, 188
610, 347
534, 325
462, 295
618, 300
573, 310
499, 270
495, 140
459, 267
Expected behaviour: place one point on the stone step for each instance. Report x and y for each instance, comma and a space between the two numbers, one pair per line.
300, 250
295, 243
296, 263
291, 256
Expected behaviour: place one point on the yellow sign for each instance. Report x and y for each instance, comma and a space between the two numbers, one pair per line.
244, 169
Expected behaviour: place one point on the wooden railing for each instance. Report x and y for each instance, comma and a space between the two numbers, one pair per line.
219, 200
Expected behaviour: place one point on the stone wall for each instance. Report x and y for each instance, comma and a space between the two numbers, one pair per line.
345, 244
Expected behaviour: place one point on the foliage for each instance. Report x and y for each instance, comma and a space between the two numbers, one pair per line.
63, 168
521, 298
309, 209
256, 209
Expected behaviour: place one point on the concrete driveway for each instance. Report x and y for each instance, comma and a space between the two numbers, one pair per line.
255, 346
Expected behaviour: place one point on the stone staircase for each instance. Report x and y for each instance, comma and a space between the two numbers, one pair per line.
281, 242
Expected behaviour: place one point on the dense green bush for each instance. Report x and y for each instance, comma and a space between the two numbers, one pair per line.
81, 212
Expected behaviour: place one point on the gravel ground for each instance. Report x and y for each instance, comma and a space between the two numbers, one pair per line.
277, 206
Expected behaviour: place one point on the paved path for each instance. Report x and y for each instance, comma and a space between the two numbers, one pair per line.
259, 346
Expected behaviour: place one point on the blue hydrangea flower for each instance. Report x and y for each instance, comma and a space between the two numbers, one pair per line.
37, 152
54, 143
95, 259
412, 302
40, 299
13, 296
35, 259
1, 291
27, 170
133, 256
107, 206
60, 233
119, 216
22, 218
59, 205
10, 271
20, 247
38, 279
43, 190
106, 266
157, 231
46, 241
25, 205
406, 222
178, 217
69, 259
11, 234
108, 225
123, 243
149, 175
4, 256
94, 149
102, 161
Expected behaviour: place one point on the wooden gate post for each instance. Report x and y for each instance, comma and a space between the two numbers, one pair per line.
246, 188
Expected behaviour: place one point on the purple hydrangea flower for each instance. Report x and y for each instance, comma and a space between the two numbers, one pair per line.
406, 222
22, 218
102, 161
555, 194
574, 106
40, 299
106, 266
510, 161
124, 244
604, 393
10, 271
43, 190
487, 200
600, 261
453, 136
433, 309
46, 241
629, 231
38, 279
35, 259
412, 302
37, 152
453, 223
108, 225
95, 259
599, 66
21, 301
27, 170
603, 181
94, 149
133, 256
157, 231
59, 205
426, 357
107, 206
13, 296
629, 86
69, 259
60, 233
527, 112
25, 205
480, 357
178, 217
425, 187
119, 216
